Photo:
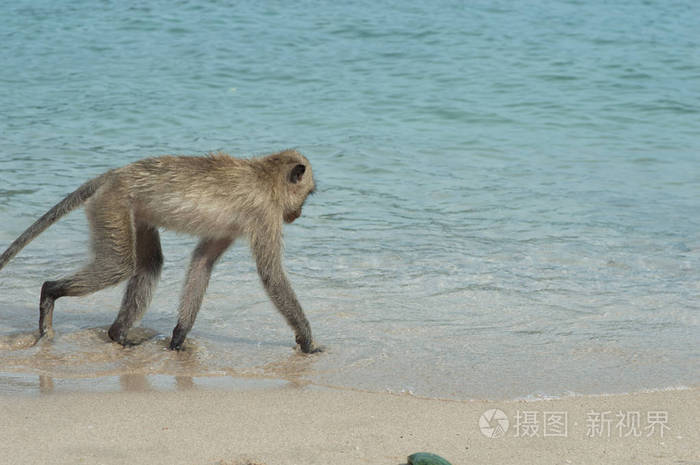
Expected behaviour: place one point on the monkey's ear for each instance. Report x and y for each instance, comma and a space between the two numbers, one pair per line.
296, 173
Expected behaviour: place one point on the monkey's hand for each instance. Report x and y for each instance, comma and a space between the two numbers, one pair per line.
306, 345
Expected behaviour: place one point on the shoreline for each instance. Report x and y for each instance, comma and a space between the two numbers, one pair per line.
32, 384
293, 424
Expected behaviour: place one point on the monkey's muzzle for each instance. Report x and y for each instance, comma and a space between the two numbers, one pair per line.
291, 216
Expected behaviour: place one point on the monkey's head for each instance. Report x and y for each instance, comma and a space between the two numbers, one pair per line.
297, 181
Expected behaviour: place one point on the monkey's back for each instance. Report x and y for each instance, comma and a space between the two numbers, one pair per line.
213, 196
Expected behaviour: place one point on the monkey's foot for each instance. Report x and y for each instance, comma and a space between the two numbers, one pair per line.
307, 346
178, 338
175, 345
46, 334
117, 334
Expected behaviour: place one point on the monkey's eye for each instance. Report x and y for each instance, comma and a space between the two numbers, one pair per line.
296, 174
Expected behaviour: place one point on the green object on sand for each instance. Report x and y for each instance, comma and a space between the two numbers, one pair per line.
426, 458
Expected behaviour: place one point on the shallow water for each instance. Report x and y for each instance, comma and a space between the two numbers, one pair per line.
508, 198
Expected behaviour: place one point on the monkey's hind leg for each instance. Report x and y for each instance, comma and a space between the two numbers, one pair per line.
139, 291
50, 291
204, 257
112, 231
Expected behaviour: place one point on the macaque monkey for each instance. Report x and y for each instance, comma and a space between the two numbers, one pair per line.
216, 197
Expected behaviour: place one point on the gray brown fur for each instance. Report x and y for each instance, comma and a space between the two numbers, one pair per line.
217, 198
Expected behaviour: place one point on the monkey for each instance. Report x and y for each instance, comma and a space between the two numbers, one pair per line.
215, 197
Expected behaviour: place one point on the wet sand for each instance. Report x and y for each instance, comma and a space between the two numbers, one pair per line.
289, 424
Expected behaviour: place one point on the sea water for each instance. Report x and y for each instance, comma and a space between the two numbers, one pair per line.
508, 192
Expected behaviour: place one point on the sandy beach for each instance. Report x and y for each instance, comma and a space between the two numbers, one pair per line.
506, 207
311, 425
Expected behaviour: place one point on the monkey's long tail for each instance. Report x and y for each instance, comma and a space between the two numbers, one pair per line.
71, 202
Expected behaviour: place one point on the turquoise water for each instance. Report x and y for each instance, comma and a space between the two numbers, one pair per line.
508, 192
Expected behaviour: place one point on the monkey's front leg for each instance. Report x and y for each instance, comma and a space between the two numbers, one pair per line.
204, 257
282, 295
277, 286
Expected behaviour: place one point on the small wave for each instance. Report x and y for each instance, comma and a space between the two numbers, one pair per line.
538, 397
19, 341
